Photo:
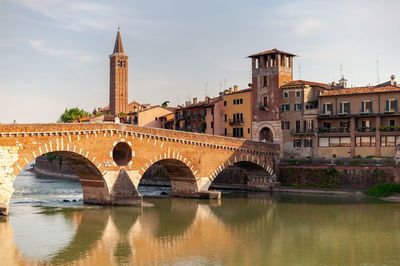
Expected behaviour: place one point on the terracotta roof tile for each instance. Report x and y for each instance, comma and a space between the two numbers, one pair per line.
361, 90
273, 51
305, 82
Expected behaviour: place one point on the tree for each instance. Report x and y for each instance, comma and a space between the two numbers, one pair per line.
72, 114
165, 104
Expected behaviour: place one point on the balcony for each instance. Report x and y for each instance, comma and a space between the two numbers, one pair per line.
303, 132
390, 111
311, 111
365, 129
234, 122
325, 130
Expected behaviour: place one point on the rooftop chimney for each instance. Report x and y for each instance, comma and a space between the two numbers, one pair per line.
230, 90
235, 88
207, 99
194, 100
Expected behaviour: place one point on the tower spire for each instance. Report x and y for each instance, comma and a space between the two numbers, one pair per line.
118, 47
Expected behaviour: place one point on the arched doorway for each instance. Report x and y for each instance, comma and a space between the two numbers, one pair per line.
266, 135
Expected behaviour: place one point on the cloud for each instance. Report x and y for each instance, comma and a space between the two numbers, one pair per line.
307, 26
73, 15
67, 54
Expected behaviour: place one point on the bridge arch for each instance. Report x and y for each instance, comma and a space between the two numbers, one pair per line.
259, 172
183, 181
94, 187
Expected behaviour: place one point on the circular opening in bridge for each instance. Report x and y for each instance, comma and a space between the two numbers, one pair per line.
122, 154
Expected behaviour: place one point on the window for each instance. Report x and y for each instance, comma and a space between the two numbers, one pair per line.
257, 63
285, 125
344, 126
265, 81
365, 141
344, 108
388, 141
234, 101
365, 124
238, 132
224, 103
323, 142
327, 109
265, 101
241, 101
285, 107
286, 94
212, 124
392, 122
248, 130
334, 142
345, 142
298, 126
366, 107
298, 94
297, 107
309, 125
225, 117
225, 131
297, 143
308, 143
391, 106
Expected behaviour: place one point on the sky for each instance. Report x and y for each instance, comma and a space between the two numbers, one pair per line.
54, 54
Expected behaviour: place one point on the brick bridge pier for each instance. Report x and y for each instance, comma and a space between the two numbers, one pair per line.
110, 159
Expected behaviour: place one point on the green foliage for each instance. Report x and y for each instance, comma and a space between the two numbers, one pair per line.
122, 114
165, 104
51, 156
72, 114
384, 190
357, 156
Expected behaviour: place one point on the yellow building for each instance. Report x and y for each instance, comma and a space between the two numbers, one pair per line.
238, 113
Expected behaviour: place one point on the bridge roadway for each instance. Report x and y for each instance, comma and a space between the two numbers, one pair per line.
110, 159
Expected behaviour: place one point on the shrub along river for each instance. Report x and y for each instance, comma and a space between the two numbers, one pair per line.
48, 224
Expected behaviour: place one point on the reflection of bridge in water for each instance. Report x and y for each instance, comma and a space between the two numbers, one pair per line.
110, 159
173, 230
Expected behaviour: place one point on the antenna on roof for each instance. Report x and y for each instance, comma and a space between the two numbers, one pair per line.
299, 71
377, 71
341, 70
206, 88
224, 83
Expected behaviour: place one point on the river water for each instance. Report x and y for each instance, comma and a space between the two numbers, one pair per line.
241, 229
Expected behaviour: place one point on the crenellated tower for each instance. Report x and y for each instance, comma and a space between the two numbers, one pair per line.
118, 78
270, 70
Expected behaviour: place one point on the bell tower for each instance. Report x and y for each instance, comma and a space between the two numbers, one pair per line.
118, 78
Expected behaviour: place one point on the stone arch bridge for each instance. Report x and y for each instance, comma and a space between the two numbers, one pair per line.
110, 159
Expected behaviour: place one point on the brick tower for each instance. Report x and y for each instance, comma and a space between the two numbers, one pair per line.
118, 78
270, 70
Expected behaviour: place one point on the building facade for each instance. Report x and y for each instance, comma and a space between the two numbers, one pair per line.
270, 70
359, 121
300, 110
237, 109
